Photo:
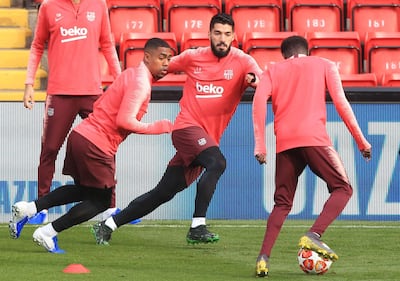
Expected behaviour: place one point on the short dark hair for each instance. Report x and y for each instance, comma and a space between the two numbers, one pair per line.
223, 19
154, 43
294, 45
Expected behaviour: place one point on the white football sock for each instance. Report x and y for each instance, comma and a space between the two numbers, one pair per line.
31, 208
198, 221
111, 223
48, 230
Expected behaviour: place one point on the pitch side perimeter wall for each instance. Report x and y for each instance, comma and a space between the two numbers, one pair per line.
245, 191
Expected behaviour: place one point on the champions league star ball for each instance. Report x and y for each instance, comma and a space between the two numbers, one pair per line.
312, 263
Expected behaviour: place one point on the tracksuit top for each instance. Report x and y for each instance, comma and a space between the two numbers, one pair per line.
213, 88
117, 113
297, 87
73, 35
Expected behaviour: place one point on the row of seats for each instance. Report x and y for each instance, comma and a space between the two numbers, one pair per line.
301, 16
371, 64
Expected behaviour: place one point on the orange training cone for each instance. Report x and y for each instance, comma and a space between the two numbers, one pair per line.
76, 268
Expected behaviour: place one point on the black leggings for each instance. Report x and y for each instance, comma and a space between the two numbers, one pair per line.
92, 202
173, 182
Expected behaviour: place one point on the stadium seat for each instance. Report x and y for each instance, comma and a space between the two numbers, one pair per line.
382, 53
373, 15
343, 48
255, 16
359, 80
106, 76
314, 15
192, 40
265, 47
134, 16
391, 79
132, 44
189, 15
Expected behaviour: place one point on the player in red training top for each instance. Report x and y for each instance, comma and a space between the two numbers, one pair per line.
92, 145
73, 31
217, 78
298, 102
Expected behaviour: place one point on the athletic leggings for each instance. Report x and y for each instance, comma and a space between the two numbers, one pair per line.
92, 201
326, 164
173, 181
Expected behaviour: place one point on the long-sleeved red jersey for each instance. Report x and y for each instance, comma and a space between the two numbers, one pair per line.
73, 35
213, 89
297, 87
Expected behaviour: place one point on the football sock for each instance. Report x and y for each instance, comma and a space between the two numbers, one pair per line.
31, 208
49, 230
317, 234
111, 223
198, 221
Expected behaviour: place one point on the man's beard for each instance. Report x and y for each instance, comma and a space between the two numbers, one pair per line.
218, 53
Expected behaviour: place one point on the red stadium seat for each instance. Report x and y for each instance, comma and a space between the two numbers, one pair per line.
255, 16
134, 16
132, 44
189, 15
264, 47
192, 40
314, 15
359, 80
373, 15
382, 53
391, 80
106, 76
343, 48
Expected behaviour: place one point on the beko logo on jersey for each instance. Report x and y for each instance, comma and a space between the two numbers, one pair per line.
74, 33
209, 91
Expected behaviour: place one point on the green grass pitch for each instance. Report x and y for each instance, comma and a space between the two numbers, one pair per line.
157, 251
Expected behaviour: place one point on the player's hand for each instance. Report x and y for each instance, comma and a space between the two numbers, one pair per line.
261, 158
251, 78
164, 126
28, 97
366, 153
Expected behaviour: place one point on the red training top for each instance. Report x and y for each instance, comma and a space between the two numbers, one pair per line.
74, 34
117, 113
213, 88
297, 87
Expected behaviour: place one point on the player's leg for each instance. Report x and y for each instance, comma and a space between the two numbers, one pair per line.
289, 166
85, 108
172, 182
60, 113
214, 164
198, 151
92, 202
326, 164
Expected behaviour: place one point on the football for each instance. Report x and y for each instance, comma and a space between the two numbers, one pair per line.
312, 263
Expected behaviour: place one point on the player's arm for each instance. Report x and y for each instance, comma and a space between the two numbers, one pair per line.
345, 111
36, 51
134, 106
107, 45
261, 96
254, 72
180, 62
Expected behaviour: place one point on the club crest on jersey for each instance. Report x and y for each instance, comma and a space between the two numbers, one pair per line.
202, 141
228, 74
91, 16
50, 111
